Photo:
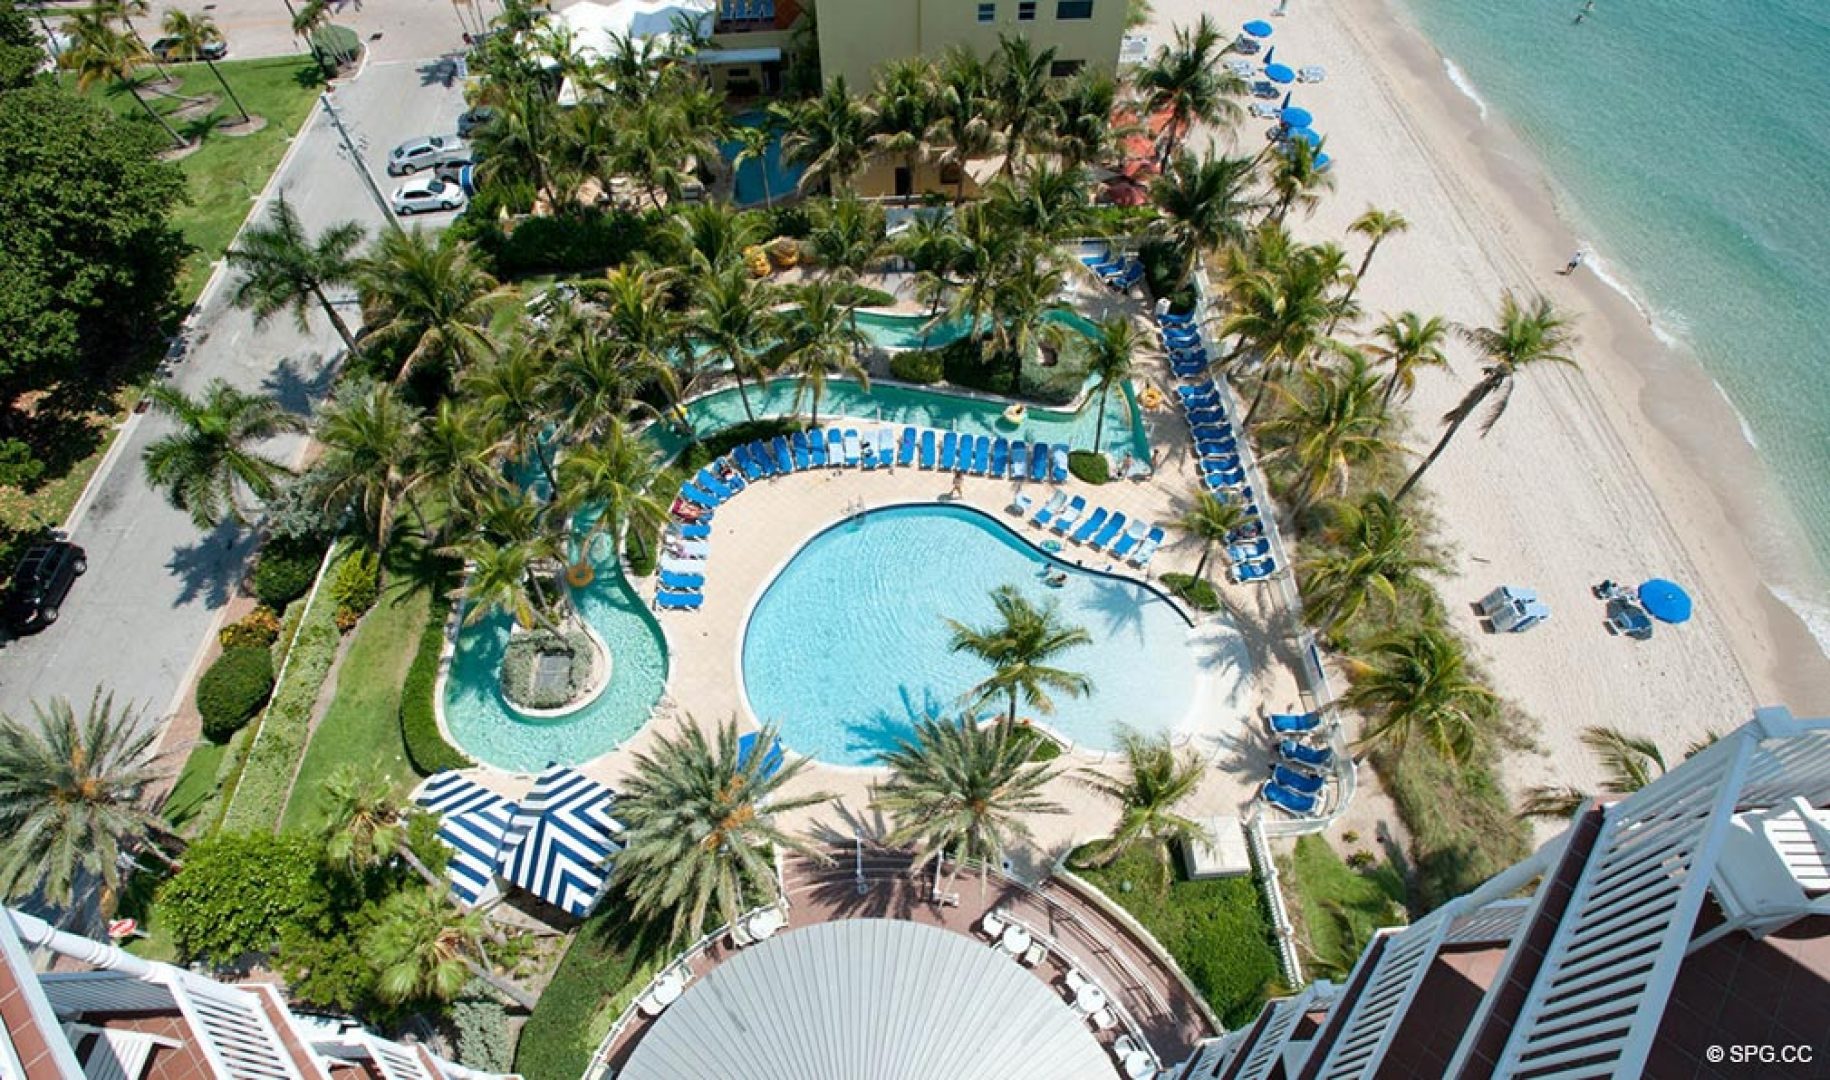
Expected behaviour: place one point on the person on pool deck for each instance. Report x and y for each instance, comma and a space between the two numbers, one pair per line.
726, 471
959, 485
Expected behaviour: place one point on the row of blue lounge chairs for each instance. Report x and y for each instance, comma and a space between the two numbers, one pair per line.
1102, 530
1117, 273
1297, 779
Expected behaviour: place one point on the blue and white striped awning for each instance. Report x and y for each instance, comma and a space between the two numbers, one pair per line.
473, 822
561, 840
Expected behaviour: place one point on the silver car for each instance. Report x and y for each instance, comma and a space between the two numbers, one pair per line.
423, 153
426, 194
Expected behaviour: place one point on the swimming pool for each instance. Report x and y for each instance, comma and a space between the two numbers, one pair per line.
781, 177
847, 646
485, 726
893, 330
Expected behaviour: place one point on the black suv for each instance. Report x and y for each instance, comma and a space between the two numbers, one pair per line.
41, 581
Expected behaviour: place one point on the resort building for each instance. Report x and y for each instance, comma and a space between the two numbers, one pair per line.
1683, 930
859, 36
106, 1014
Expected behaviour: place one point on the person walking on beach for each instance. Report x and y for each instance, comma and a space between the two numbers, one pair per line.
1574, 261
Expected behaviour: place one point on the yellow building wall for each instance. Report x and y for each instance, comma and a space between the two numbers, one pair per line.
858, 36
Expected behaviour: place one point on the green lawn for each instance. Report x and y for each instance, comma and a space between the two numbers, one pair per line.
1218, 930
362, 724
609, 962
1338, 906
227, 172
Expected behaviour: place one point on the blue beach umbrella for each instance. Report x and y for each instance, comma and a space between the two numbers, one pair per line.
1665, 601
1296, 117
1278, 73
1305, 134
746, 746
1322, 161
1258, 28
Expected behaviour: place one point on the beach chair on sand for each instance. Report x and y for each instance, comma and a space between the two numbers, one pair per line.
1049, 510
1303, 783
1293, 723
949, 449
835, 448
1310, 757
1058, 464
679, 601
816, 450
1019, 461
1254, 571
1284, 799
695, 531
1000, 457
1133, 536
1064, 519
853, 447
1020, 504
1148, 548
682, 582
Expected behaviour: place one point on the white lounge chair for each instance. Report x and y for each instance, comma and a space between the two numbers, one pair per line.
1104, 1020
1123, 1047
992, 925
1075, 981
1036, 954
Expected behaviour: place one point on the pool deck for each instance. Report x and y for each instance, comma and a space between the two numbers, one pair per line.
757, 532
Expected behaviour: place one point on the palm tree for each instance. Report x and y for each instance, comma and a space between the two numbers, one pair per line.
652, 147
99, 53
1212, 521
1416, 683
1409, 343
616, 475
714, 235
1330, 427
1019, 646
731, 316
1023, 99
458, 457
71, 799
1021, 300
365, 824
1280, 311
506, 575
429, 297
963, 786
206, 464
828, 134
370, 439
962, 125
847, 236
1204, 204
283, 268
311, 17
1526, 336
1185, 80
426, 949
1157, 780
195, 33
1375, 224
1373, 553
125, 10
816, 339
1049, 205
754, 143
1628, 763
523, 141
701, 821
1084, 132
902, 107
1299, 177
1109, 362
515, 393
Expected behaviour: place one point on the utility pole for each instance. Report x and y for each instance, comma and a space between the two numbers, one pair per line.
355, 159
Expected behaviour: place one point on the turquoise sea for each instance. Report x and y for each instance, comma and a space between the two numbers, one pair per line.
1689, 142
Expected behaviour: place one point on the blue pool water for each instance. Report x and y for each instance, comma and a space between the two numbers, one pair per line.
895, 331
759, 181
848, 645
487, 728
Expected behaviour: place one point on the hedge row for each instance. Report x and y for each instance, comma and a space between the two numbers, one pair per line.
1089, 467
426, 747
233, 690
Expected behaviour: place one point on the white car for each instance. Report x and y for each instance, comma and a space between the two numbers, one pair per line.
429, 193
416, 154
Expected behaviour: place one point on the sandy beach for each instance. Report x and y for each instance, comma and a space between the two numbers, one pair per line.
1632, 467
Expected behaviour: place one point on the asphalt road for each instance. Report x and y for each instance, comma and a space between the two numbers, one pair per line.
136, 623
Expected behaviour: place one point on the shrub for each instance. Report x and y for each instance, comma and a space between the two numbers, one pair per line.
19, 466
1360, 860
355, 587
238, 892
966, 366
260, 627
1199, 592
922, 366
1162, 269
865, 296
233, 690
426, 748
483, 1038
784, 252
286, 570
1089, 467
525, 650
789, 221
590, 240
610, 960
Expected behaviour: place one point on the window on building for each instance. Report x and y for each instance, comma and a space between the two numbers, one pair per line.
988, 13
1026, 11
1074, 9
1062, 69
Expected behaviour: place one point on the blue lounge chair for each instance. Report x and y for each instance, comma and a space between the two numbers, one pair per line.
752, 469
1223, 478
867, 450
1254, 571
691, 492
1293, 723
1133, 536
835, 447
1300, 782
1313, 757
695, 531
886, 447
1172, 318
682, 582
1090, 525
678, 601
1000, 457
1255, 549
1020, 504
1284, 799
1064, 519
1058, 464
759, 453
949, 450
927, 448
1114, 526
816, 449
784, 456
709, 484
1219, 462
691, 549
905, 454
803, 459
1019, 460
853, 447
1206, 413
981, 456
1148, 548
1211, 432
1038, 462
1049, 510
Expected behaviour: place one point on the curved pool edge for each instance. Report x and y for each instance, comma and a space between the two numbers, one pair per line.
749, 611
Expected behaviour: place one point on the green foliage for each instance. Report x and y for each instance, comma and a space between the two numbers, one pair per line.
610, 960
355, 587
1089, 467
482, 1033
19, 466
865, 296
587, 241
1199, 592
260, 627
286, 570
239, 891
788, 219
966, 364
233, 689
20, 50
1462, 825
922, 366
1339, 905
85, 234
519, 661
426, 747
1163, 268
1217, 930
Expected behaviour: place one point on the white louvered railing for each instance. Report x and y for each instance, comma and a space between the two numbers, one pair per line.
233, 1032
1375, 1012
1497, 921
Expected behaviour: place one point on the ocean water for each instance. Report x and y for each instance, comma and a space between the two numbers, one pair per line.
1689, 144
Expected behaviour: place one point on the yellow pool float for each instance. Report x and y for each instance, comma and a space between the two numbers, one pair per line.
1151, 398
1016, 413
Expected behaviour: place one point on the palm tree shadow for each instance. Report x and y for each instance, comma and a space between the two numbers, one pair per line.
295, 388
885, 730
1118, 605
211, 567
414, 566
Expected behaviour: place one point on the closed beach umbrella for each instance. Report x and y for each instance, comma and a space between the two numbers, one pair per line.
1258, 28
1278, 73
1297, 118
1665, 601
1270, 53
